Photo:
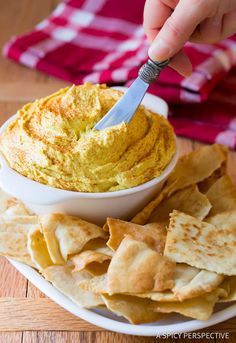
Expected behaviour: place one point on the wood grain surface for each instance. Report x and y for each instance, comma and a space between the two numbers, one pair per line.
26, 315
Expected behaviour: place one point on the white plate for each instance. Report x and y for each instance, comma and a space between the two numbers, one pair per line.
109, 321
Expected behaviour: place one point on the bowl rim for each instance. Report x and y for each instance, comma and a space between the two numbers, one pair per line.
64, 194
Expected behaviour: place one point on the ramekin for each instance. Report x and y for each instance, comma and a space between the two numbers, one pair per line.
94, 207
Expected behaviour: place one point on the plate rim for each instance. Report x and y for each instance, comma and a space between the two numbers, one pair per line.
110, 324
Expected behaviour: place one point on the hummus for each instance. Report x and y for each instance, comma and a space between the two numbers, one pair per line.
52, 141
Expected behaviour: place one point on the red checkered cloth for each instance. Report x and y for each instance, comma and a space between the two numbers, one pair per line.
103, 41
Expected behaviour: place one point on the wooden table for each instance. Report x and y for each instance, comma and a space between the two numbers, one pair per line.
26, 315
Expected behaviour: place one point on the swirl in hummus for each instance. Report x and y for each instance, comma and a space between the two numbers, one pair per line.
52, 141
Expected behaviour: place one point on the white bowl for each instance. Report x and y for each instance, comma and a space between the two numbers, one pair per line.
95, 207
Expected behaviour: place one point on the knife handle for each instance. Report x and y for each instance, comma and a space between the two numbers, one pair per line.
150, 71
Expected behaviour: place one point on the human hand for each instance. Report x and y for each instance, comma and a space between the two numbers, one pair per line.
169, 24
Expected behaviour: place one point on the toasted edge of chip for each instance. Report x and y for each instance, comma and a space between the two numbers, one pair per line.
229, 285
222, 196
135, 310
152, 234
205, 185
48, 229
94, 262
142, 217
200, 308
166, 296
38, 249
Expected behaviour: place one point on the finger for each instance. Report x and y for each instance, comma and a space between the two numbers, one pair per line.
178, 28
155, 14
171, 3
228, 24
209, 31
215, 29
181, 63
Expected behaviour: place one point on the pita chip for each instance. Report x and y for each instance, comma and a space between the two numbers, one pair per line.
181, 276
201, 244
17, 209
205, 185
38, 249
229, 285
224, 220
143, 216
6, 201
62, 278
199, 164
98, 245
166, 296
203, 282
136, 268
135, 310
196, 166
12, 206
222, 196
189, 282
97, 284
92, 261
188, 200
152, 234
67, 235
200, 308
13, 236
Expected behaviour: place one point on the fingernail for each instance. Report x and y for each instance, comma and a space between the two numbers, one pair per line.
159, 50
